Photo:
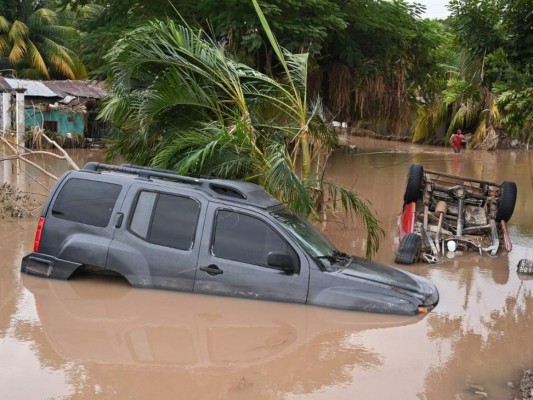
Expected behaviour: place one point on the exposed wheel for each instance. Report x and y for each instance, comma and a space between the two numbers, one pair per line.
414, 183
507, 201
408, 249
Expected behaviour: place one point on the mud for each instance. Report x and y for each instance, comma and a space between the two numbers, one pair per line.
98, 338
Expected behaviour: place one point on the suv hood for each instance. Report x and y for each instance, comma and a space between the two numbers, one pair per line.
403, 281
379, 282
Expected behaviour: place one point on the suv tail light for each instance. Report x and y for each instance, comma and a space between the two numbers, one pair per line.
38, 233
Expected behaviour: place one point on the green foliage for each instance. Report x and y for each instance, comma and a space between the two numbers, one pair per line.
105, 21
299, 25
394, 57
19, 9
37, 43
517, 24
430, 116
517, 103
378, 41
476, 24
236, 24
489, 80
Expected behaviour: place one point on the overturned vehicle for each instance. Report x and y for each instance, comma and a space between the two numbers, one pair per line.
443, 212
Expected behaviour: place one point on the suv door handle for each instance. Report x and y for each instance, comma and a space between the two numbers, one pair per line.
212, 270
118, 220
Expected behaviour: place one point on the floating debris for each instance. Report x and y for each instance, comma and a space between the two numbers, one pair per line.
525, 266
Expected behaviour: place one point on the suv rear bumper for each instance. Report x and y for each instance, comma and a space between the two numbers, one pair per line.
48, 266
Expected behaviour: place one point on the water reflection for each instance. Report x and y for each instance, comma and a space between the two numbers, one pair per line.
100, 324
505, 339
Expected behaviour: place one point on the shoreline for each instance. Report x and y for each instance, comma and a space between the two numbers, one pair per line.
504, 143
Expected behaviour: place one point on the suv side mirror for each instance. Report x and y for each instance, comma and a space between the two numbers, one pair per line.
280, 261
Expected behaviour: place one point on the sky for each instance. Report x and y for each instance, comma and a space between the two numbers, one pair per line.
434, 8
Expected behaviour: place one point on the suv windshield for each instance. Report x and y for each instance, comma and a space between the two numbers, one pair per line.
309, 237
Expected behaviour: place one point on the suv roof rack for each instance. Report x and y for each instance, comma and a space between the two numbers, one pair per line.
237, 190
143, 172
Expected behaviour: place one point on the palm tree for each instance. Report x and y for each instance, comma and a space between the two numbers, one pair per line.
466, 102
37, 47
182, 103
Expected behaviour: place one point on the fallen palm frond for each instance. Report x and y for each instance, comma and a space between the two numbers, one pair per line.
429, 118
489, 137
352, 204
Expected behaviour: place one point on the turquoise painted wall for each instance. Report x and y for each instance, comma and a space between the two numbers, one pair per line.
66, 122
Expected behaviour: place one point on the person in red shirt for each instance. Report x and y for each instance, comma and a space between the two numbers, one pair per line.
456, 140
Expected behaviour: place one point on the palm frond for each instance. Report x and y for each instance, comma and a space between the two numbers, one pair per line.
297, 68
5, 25
42, 17
37, 46
282, 182
481, 131
173, 95
468, 113
19, 32
18, 51
290, 67
36, 60
211, 150
353, 206
58, 57
5, 45
430, 116
60, 34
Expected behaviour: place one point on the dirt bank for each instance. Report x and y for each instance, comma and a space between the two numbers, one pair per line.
492, 141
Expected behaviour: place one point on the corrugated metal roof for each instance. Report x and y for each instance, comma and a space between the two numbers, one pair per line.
85, 89
82, 90
33, 88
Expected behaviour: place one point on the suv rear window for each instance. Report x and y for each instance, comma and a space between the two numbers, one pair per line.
87, 202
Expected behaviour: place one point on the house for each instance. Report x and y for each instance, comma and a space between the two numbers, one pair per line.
65, 107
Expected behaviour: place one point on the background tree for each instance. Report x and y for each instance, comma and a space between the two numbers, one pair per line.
511, 69
300, 26
377, 67
34, 42
488, 93
368, 60
377, 64
105, 21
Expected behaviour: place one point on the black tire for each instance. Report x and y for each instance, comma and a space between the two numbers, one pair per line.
414, 183
408, 249
507, 201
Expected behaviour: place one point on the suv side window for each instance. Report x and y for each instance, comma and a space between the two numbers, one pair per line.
87, 202
165, 219
243, 238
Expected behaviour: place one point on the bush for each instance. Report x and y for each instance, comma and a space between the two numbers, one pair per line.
13, 203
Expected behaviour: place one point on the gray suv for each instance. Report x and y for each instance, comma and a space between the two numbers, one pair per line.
158, 229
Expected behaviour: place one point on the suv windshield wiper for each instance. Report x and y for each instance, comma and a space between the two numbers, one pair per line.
340, 254
334, 256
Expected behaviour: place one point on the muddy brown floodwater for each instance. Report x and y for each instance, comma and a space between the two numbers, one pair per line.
97, 338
